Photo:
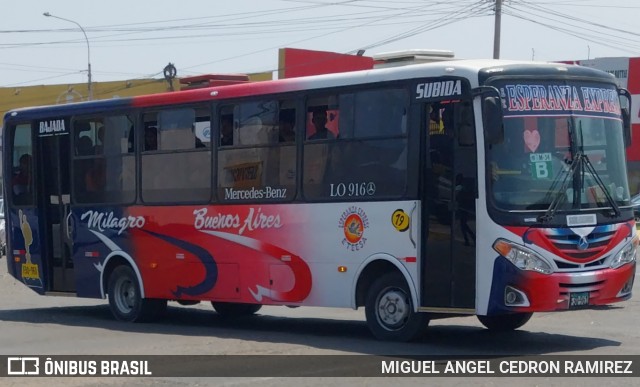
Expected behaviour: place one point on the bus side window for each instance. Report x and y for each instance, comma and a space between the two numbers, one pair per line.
176, 163
356, 140
322, 119
251, 157
103, 162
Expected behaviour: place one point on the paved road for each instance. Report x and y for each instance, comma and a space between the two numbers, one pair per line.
37, 325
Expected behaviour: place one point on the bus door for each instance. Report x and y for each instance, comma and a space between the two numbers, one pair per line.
54, 187
23, 220
449, 191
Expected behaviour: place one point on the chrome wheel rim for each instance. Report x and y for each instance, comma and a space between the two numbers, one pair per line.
125, 295
393, 309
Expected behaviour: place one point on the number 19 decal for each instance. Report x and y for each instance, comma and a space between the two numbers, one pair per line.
400, 220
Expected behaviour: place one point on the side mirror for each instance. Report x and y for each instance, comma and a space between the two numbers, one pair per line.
492, 120
625, 113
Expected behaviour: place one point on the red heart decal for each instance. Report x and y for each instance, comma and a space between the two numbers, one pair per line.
532, 139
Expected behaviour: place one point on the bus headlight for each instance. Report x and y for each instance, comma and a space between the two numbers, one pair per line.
626, 255
522, 257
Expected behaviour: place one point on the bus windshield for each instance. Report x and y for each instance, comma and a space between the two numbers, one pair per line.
548, 127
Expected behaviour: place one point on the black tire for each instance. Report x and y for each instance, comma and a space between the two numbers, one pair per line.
125, 298
505, 322
233, 309
389, 310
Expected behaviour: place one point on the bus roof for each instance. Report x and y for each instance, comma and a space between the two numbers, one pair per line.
471, 69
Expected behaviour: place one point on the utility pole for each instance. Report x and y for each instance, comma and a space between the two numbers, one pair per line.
496, 30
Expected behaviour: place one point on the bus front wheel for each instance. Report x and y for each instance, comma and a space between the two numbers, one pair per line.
505, 322
389, 310
125, 298
232, 309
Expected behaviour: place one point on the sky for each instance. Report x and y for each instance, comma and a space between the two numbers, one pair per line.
136, 39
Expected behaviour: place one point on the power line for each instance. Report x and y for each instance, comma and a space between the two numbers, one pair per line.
594, 38
418, 17
297, 24
458, 15
385, 17
41, 79
545, 11
609, 36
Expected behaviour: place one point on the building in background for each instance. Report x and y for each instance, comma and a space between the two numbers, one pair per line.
295, 62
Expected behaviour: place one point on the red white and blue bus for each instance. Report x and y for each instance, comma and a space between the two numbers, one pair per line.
487, 188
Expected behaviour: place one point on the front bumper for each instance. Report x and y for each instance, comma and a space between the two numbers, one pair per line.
544, 293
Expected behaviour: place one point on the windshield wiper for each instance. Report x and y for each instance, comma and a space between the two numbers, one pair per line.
561, 193
586, 162
615, 210
579, 162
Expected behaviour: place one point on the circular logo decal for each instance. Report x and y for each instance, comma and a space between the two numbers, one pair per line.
353, 222
353, 228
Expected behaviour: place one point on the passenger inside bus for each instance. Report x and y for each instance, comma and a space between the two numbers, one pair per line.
435, 124
286, 124
21, 181
150, 138
319, 120
226, 130
95, 177
84, 146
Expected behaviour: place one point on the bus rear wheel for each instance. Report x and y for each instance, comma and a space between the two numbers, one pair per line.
505, 322
232, 309
389, 310
125, 298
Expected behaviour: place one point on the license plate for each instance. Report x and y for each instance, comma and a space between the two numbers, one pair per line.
578, 299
